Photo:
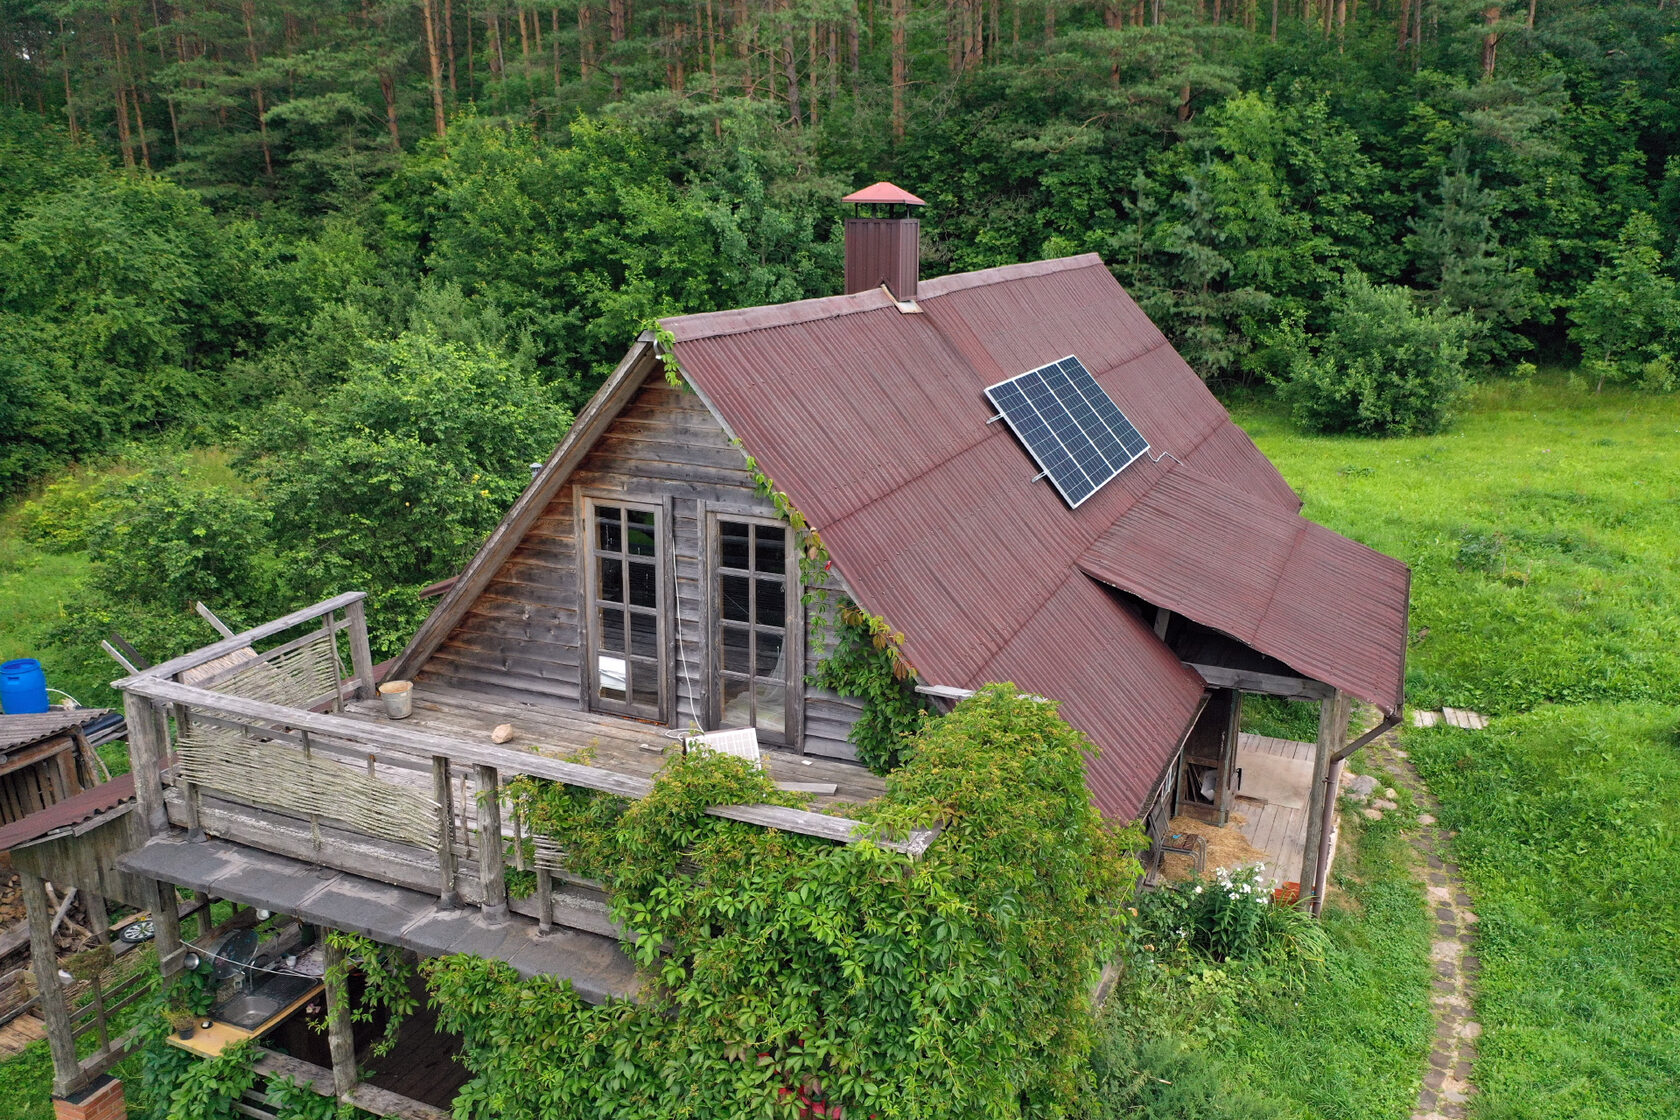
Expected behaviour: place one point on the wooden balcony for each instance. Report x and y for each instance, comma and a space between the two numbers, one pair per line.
279, 762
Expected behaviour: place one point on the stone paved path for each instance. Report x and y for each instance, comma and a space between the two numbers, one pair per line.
1446, 1086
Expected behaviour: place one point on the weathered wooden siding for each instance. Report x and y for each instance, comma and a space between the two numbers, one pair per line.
523, 638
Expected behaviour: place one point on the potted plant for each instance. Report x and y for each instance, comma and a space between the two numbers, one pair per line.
179, 1014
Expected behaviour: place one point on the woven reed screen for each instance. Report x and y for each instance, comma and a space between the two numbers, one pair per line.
278, 776
293, 679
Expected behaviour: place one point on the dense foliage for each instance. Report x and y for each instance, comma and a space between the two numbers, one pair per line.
865, 664
786, 972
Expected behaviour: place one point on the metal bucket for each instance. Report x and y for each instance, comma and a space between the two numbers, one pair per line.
398, 697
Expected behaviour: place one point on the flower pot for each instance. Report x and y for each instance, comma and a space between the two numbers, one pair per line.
398, 697
186, 1031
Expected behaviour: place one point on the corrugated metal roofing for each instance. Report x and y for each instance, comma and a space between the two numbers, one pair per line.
71, 811
22, 730
1328, 607
873, 418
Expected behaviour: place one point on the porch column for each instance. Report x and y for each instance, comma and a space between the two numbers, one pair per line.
148, 743
166, 920
341, 1040
1333, 716
492, 876
55, 1011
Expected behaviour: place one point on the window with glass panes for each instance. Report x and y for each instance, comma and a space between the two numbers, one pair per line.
754, 603
628, 649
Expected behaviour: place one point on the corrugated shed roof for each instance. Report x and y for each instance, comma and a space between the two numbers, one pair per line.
101, 799
873, 418
1329, 607
20, 731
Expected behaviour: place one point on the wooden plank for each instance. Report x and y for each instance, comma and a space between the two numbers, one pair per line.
244, 639
55, 1012
1243, 680
361, 655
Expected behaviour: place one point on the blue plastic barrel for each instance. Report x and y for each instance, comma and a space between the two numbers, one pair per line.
23, 687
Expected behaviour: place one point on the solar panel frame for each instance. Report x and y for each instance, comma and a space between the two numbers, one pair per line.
1070, 426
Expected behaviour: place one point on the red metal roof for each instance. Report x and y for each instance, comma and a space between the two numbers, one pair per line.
1328, 607
884, 192
71, 811
872, 417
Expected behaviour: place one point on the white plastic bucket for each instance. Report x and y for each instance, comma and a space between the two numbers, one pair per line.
398, 697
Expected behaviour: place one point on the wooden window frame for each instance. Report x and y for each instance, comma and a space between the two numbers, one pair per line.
710, 514
664, 538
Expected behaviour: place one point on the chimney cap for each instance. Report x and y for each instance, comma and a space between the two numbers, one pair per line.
884, 193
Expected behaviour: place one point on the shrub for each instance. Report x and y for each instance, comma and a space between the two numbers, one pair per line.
1383, 367
1627, 319
1166, 1079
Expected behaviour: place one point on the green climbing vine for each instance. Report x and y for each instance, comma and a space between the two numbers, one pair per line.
868, 664
785, 976
387, 976
665, 346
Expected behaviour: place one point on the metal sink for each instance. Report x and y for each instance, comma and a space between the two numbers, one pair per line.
250, 1010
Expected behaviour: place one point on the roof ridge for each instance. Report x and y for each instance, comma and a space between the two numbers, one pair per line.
1021, 270
713, 324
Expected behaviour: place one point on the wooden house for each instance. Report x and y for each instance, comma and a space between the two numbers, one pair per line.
1012, 467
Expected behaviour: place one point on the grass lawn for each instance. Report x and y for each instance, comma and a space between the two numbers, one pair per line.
1543, 533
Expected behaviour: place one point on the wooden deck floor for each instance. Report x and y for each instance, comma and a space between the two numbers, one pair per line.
1276, 828
621, 745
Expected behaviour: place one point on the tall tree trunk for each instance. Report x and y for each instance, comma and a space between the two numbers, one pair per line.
120, 96
554, 29
69, 101
449, 39
900, 66
1490, 41
1403, 28
790, 65
174, 121
388, 87
1049, 20
436, 65
472, 58
1533, 6
812, 69
1275, 19
618, 19
249, 10
586, 41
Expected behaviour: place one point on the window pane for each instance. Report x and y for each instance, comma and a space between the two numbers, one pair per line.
737, 703
644, 634
737, 657
612, 580
639, 535
606, 528
772, 549
736, 606
772, 707
644, 683
772, 603
769, 654
611, 671
732, 544
644, 584
612, 630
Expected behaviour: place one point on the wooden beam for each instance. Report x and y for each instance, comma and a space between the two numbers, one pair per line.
448, 898
1333, 715
341, 1041
243, 640
492, 875
361, 655
1268, 684
148, 740
55, 1012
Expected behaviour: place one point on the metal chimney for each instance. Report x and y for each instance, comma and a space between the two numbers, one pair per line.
883, 245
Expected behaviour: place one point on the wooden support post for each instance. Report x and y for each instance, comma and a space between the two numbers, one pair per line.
55, 1012
201, 907
329, 626
545, 901
148, 742
166, 919
447, 898
361, 657
341, 1043
98, 915
1333, 716
491, 874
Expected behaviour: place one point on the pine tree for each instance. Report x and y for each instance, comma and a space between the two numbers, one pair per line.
1627, 320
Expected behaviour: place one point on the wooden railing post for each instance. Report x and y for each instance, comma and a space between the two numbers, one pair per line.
361, 656
55, 1012
545, 900
491, 873
447, 898
148, 742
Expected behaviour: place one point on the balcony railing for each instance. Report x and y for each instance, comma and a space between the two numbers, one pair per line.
253, 758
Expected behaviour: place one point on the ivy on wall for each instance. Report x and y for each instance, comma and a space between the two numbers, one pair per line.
788, 976
868, 664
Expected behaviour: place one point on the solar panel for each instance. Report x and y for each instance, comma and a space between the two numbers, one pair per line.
1072, 427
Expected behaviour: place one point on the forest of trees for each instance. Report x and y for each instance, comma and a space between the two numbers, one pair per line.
381, 250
